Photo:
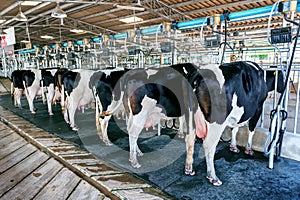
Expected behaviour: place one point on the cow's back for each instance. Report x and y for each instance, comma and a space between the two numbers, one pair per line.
165, 85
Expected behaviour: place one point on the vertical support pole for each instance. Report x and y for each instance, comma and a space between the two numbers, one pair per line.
174, 52
297, 106
4, 62
139, 60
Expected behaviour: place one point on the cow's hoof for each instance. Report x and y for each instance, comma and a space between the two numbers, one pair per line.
51, 114
189, 172
100, 137
33, 112
234, 149
140, 154
249, 152
75, 128
107, 143
136, 165
215, 182
180, 135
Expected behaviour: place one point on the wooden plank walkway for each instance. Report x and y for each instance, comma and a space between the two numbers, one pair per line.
27, 173
37, 165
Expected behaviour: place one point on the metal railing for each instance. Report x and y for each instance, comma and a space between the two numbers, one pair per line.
291, 102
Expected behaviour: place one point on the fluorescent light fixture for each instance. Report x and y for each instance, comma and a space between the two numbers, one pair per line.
78, 31
129, 20
30, 3
58, 12
130, 8
47, 37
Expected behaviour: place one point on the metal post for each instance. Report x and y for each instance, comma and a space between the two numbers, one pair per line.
174, 52
4, 62
297, 106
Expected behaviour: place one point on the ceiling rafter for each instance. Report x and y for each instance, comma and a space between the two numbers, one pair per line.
165, 11
93, 29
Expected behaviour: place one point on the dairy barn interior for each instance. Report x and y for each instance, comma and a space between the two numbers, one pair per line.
45, 155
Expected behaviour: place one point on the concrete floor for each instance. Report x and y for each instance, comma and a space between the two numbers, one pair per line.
243, 177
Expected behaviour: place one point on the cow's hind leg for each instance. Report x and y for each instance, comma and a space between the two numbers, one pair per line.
17, 97
181, 127
50, 97
98, 118
189, 141
65, 111
104, 125
233, 147
209, 144
252, 124
134, 149
30, 94
248, 149
73, 102
30, 102
135, 127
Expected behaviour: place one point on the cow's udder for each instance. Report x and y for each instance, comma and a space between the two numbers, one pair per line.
201, 127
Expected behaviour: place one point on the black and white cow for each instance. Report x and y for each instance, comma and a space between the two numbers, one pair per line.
78, 94
270, 77
107, 92
34, 83
154, 94
227, 95
17, 86
59, 89
48, 82
271, 80
79, 88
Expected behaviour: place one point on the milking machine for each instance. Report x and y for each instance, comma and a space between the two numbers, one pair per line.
279, 115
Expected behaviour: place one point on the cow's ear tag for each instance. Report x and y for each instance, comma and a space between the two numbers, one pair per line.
274, 73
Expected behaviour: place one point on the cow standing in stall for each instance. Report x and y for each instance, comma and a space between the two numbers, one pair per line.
17, 87
78, 94
270, 77
59, 94
107, 93
33, 83
227, 95
154, 94
48, 82
82, 87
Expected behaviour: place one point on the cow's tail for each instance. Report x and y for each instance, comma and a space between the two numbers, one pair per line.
26, 90
42, 88
11, 88
62, 97
111, 112
122, 88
